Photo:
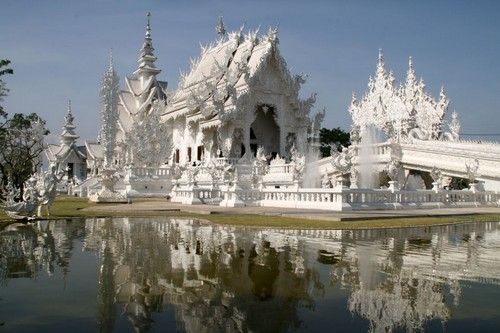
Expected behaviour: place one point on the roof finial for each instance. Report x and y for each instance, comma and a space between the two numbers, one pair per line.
410, 63
148, 26
220, 28
380, 56
69, 116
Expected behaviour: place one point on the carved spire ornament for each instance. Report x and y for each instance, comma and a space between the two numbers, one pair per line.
399, 112
220, 28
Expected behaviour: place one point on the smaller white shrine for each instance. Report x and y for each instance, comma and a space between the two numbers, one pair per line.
68, 156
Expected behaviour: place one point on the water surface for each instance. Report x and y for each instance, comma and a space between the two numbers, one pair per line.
160, 274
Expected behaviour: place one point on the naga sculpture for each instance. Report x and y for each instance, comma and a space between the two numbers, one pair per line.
39, 191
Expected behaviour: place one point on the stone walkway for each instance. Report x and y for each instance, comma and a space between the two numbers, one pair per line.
151, 205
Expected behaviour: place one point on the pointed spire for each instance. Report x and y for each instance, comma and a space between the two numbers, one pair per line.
69, 116
380, 65
148, 26
146, 57
410, 63
111, 59
220, 28
68, 135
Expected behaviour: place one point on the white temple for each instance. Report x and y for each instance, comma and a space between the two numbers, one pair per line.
236, 133
68, 154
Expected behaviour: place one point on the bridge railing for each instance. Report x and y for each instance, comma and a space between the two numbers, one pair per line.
358, 199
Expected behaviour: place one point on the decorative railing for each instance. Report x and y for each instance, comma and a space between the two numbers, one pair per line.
383, 148
220, 161
150, 172
358, 199
281, 168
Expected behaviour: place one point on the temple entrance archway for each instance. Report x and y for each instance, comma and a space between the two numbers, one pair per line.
265, 131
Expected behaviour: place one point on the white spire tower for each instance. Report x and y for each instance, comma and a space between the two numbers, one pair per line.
109, 111
147, 58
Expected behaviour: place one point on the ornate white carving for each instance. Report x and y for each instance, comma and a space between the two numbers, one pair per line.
398, 112
39, 192
472, 168
341, 161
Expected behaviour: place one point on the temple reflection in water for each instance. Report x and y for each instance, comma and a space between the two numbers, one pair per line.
216, 278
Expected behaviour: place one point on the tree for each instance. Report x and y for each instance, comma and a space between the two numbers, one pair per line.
3, 90
21, 140
333, 137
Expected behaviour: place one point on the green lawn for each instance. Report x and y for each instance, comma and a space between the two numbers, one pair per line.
65, 207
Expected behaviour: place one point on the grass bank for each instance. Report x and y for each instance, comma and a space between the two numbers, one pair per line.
68, 207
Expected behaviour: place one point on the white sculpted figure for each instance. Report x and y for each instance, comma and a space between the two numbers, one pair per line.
394, 170
436, 174
260, 166
27, 207
472, 168
46, 187
341, 161
11, 192
299, 162
39, 192
453, 128
325, 181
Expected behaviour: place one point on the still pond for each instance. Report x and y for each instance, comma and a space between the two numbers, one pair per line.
166, 274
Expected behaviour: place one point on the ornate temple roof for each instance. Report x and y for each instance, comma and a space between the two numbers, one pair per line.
58, 153
224, 67
142, 87
94, 150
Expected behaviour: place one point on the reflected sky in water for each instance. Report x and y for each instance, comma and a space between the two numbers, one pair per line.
159, 274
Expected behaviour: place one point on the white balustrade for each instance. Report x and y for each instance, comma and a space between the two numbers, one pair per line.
359, 199
150, 172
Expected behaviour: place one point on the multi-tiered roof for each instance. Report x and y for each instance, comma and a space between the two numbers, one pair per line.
221, 77
141, 88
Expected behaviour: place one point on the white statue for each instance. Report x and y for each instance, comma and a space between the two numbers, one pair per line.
394, 170
325, 181
472, 168
39, 191
341, 161
46, 187
299, 162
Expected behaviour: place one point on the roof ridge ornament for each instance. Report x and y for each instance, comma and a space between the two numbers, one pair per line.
220, 28
148, 26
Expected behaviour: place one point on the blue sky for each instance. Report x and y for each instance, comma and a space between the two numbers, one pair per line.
59, 49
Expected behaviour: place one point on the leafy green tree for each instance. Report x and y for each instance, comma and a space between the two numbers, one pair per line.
333, 137
21, 140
